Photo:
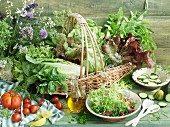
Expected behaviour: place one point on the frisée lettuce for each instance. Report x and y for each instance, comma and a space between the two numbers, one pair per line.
110, 101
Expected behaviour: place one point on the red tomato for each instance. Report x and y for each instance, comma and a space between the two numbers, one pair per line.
18, 110
26, 111
33, 108
59, 105
41, 102
27, 100
11, 100
16, 117
55, 99
27, 105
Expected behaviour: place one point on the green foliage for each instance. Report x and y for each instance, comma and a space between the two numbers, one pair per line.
96, 30
5, 35
120, 24
40, 52
60, 17
83, 117
5, 113
31, 70
55, 38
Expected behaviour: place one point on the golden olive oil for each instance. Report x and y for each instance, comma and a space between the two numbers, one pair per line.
75, 104
76, 97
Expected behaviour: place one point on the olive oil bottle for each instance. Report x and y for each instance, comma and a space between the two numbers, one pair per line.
76, 98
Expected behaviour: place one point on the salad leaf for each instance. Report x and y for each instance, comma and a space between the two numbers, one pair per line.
40, 52
110, 101
122, 25
129, 49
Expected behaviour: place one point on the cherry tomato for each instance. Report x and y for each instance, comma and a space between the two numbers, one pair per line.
27, 100
41, 102
59, 105
18, 110
27, 105
33, 108
16, 117
55, 99
26, 111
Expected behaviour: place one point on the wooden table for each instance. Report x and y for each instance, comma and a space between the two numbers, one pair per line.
148, 121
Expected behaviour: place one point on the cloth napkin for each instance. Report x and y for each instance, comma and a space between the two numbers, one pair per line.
6, 86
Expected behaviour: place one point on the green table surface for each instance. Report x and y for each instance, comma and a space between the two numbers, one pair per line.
163, 116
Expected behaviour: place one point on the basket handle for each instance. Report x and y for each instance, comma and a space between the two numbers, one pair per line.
84, 31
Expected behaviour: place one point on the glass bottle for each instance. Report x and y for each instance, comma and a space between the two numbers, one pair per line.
76, 98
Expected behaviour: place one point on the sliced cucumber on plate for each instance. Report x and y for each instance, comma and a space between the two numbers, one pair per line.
152, 79
152, 83
146, 81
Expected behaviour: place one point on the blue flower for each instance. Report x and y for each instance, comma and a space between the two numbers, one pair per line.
31, 6
43, 34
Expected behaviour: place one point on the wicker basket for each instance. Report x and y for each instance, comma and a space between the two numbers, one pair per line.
96, 79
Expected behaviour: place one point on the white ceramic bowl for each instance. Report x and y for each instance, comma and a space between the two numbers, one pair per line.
163, 76
130, 94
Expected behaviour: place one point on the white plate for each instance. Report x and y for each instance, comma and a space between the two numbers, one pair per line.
163, 76
128, 93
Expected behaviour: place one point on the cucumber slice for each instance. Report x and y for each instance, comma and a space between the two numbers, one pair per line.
150, 96
140, 80
158, 81
145, 74
152, 84
153, 74
142, 77
162, 104
152, 80
146, 81
154, 77
143, 95
167, 97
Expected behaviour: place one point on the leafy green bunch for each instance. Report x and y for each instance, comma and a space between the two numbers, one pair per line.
123, 25
30, 69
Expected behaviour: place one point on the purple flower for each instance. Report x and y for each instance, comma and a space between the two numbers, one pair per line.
27, 32
43, 34
31, 6
29, 15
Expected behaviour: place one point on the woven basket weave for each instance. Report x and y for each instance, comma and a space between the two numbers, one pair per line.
96, 79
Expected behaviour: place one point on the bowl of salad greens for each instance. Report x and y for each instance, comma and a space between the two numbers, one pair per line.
150, 78
113, 104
